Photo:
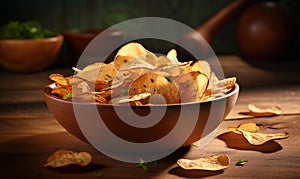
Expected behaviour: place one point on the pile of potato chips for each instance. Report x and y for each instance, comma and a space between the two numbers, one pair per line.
138, 77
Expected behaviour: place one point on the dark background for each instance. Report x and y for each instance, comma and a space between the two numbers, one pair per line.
59, 15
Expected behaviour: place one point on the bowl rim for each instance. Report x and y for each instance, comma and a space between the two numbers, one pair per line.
52, 85
56, 37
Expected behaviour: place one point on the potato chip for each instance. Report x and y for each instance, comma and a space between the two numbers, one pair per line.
97, 72
261, 138
261, 111
192, 86
201, 66
154, 83
63, 158
164, 64
90, 72
172, 55
212, 163
246, 126
59, 79
227, 84
134, 55
136, 100
61, 91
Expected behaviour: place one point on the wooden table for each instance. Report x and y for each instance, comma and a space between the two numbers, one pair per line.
29, 133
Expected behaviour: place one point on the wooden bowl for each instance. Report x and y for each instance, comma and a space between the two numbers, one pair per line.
29, 55
78, 39
63, 111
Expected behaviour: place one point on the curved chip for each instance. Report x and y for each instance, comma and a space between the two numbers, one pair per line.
134, 55
212, 163
246, 126
154, 83
261, 138
97, 72
201, 66
192, 86
63, 158
59, 79
262, 110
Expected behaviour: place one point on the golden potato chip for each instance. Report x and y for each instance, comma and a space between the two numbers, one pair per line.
261, 138
133, 55
63, 158
172, 55
164, 64
212, 163
97, 72
192, 86
59, 79
262, 111
61, 91
90, 72
82, 87
136, 100
246, 126
227, 84
154, 83
201, 66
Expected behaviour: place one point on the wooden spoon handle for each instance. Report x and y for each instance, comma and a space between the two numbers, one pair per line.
212, 26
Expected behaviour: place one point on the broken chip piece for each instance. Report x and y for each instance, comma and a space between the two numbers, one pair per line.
63, 158
212, 163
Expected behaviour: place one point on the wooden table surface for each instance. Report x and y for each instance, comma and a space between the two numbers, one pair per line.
29, 133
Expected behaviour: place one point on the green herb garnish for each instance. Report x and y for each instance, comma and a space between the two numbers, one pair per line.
241, 162
109, 82
123, 92
98, 174
68, 96
146, 165
24, 30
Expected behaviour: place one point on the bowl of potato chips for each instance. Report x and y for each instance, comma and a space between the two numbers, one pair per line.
139, 81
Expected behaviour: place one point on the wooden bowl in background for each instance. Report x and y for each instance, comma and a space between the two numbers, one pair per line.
29, 55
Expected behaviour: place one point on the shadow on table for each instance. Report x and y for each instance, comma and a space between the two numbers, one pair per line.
193, 173
28, 155
237, 141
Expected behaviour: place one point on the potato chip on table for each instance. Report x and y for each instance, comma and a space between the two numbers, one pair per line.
212, 163
63, 158
251, 133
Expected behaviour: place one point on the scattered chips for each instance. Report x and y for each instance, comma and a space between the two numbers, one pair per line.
212, 163
251, 133
261, 111
63, 158
134, 71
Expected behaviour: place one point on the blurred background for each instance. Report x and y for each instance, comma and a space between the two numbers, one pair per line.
60, 15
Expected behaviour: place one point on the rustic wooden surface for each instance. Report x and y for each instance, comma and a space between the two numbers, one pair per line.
29, 133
